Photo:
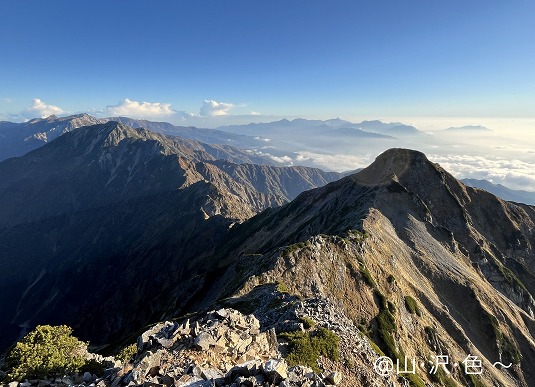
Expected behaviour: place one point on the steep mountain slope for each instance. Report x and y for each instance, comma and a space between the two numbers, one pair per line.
408, 255
108, 218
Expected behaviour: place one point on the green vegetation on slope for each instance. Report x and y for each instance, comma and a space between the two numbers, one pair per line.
47, 350
412, 306
306, 347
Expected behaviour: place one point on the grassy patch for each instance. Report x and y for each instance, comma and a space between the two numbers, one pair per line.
306, 347
414, 380
475, 381
440, 377
511, 350
282, 288
366, 275
391, 307
510, 276
357, 234
386, 327
412, 306
296, 246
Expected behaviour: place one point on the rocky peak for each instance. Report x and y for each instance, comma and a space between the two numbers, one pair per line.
398, 165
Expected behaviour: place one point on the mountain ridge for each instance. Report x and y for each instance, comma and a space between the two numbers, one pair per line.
117, 196
439, 246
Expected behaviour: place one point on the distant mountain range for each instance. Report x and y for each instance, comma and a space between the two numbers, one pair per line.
505, 193
17, 139
468, 129
333, 127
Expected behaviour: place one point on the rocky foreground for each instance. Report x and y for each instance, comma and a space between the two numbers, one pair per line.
224, 348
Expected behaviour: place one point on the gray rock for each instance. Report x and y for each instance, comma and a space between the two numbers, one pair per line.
196, 329
203, 341
67, 381
116, 381
247, 369
334, 378
276, 368
212, 374
196, 383
87, 378
197, 372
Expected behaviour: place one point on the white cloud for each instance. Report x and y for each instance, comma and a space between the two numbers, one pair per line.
256, 114
335, 162
285, 159
131, 108
214, 108
41, 109
514, 174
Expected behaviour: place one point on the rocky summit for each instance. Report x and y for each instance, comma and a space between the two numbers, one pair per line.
223, 348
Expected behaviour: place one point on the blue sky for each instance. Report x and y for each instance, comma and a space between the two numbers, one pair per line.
277, 58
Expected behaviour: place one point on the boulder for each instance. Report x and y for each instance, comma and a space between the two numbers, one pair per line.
334, 378
203, 341
276, 368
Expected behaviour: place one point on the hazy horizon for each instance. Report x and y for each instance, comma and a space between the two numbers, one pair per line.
505, 154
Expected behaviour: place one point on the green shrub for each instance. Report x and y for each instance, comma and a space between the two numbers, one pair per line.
306, 347
307, 322
327, 342
301, 350
441, 378
47, 350
127, 353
